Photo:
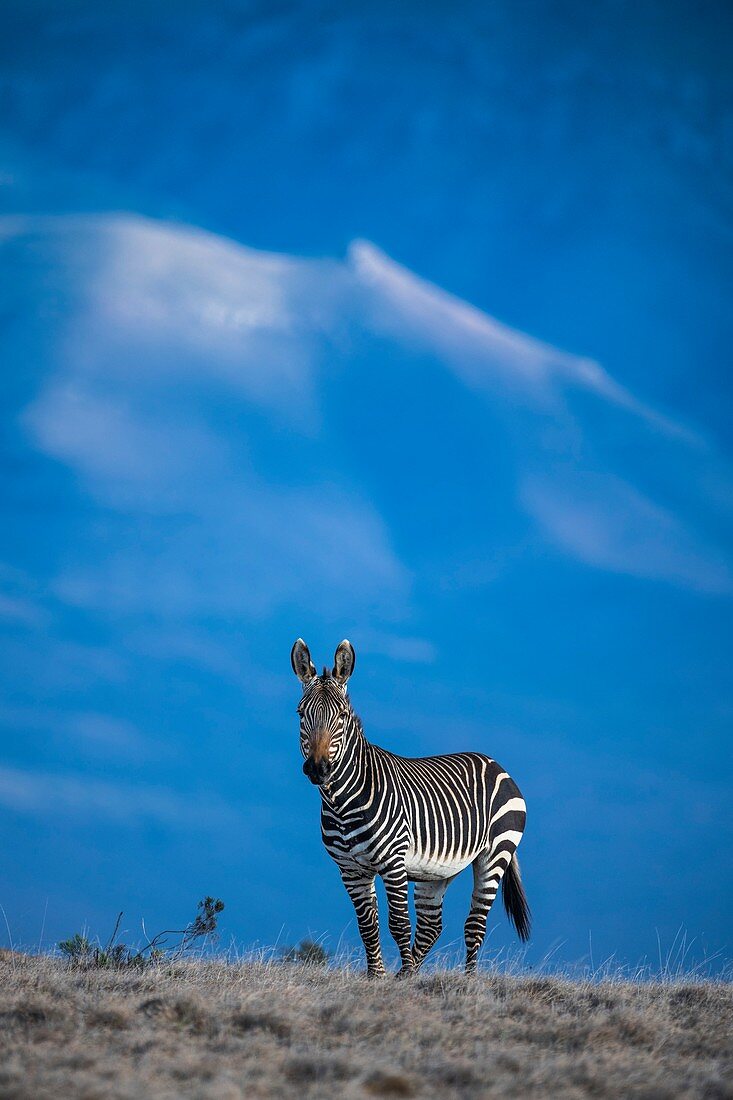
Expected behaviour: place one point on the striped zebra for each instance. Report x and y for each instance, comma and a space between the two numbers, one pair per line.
409, 820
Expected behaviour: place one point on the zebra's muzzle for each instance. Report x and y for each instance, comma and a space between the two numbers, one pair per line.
317, 771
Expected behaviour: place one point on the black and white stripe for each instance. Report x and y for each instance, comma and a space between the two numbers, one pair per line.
409, 820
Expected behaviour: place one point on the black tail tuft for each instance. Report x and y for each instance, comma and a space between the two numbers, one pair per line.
515, 900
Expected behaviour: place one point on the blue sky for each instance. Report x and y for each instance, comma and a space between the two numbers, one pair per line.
333, 320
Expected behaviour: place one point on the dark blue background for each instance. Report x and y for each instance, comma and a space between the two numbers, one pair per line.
224, 425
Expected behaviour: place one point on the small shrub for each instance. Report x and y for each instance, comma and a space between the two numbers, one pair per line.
307, 953
27, 1014
184, 1012
109, 1017
77, 949
262, 1021
314, 1069
386, 1083
80, 951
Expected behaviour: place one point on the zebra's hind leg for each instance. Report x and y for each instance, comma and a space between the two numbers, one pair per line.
395, 885
488, 871
364, 897
429, 912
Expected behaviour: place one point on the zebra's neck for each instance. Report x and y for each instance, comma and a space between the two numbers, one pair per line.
350, 788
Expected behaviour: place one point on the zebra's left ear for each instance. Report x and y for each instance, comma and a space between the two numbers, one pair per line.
343, 662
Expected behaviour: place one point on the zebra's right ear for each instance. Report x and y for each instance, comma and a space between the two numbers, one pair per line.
300, 659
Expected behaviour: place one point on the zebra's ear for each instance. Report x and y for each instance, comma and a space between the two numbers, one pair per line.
300, 659
344, 661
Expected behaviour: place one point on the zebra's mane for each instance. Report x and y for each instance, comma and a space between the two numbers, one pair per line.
357, 720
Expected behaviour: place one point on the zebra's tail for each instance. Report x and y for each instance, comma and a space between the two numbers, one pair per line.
515, 899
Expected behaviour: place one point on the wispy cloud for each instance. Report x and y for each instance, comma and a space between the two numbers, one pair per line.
19, 603
483, 351
213, 308
15, 609
236, 553
105, 734
597, 518
168, 326
75, 796
108, 733
399, 648
122, 453
167, 323
601, 520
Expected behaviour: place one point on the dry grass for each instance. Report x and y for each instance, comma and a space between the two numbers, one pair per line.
217, 1030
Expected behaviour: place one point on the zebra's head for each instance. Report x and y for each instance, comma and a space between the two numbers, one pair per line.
324, 709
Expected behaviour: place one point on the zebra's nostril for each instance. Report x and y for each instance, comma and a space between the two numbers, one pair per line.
317, 771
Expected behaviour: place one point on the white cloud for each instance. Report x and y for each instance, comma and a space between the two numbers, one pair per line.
168, 323
604, 522
124, 455
86, 729
16, 609
398, 648
19, 602
255, 319
246, 552
207, 308
481, 350
597, 519
74, 796
214, 308
108, 733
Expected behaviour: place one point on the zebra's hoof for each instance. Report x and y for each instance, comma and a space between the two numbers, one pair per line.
405, 972
375, 975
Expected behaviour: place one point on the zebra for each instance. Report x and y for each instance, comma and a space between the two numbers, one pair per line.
420, 820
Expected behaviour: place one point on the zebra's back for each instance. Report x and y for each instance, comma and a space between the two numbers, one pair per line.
456, 806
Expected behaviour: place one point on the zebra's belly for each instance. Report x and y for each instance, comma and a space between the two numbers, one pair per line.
424, 866
354, 856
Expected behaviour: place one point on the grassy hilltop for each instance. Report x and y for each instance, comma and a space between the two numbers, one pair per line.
225, 1031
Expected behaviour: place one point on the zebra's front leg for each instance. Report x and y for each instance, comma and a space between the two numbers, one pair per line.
364, 897
429, 912
395, 885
